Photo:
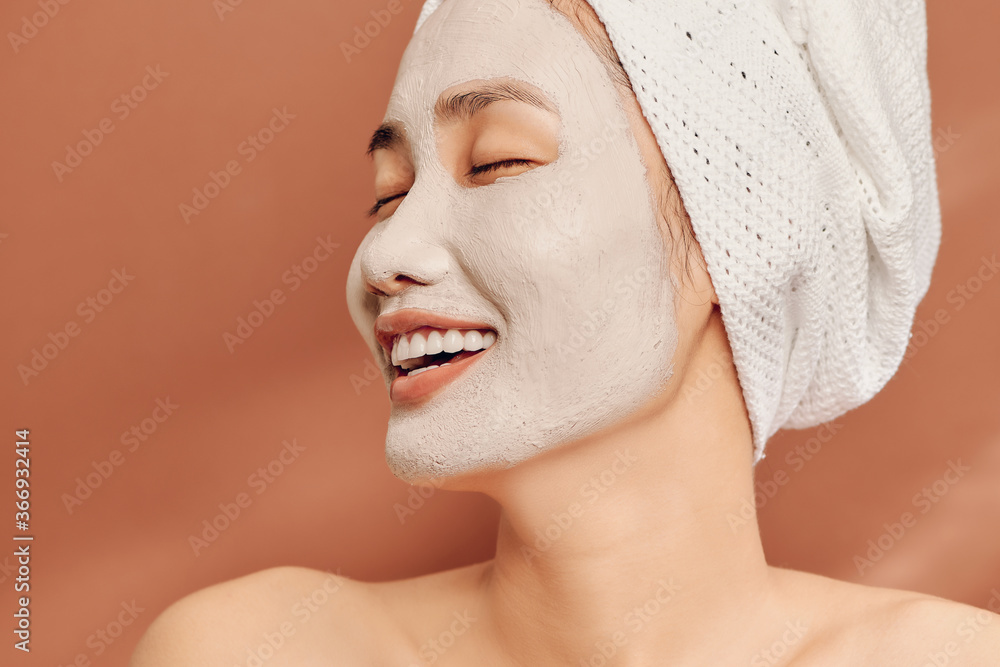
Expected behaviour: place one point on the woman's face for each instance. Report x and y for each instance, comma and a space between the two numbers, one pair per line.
519, 209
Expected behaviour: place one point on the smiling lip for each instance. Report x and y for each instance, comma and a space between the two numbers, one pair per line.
409, 389
413, 388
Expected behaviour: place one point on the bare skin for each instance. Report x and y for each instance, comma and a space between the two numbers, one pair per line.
637, 558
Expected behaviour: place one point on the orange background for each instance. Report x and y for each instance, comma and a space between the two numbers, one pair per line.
333, 507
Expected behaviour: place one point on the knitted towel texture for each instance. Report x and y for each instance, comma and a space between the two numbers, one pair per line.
798, 133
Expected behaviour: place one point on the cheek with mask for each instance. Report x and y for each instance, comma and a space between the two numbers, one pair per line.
563, 266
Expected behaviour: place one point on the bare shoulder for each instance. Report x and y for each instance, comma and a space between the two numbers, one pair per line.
947, 632
864, 625
280, 616
438, 606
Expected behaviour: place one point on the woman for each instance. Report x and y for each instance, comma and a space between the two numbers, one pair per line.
545, 320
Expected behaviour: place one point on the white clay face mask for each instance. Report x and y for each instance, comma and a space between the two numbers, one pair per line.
561, 269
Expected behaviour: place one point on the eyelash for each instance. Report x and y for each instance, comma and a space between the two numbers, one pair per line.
475, 171
493, 166
382, 202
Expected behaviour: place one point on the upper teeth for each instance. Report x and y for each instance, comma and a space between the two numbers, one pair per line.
415, 345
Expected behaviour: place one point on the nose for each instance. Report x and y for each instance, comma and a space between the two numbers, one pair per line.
397, 258
390, 286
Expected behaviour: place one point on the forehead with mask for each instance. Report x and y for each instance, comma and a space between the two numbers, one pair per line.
516, 286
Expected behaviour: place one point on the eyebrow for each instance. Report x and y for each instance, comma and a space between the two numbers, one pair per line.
463, 106
387, 135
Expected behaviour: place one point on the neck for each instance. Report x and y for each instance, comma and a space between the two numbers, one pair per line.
637, 541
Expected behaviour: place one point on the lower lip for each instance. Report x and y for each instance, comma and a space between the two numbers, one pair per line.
412, 388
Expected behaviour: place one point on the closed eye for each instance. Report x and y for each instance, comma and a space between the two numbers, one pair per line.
496, 166
382, 202
475, 171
